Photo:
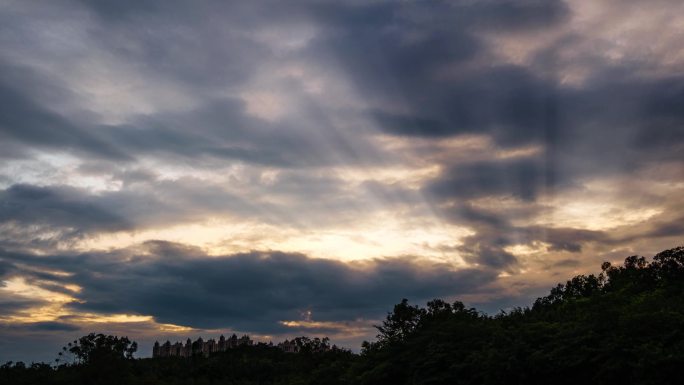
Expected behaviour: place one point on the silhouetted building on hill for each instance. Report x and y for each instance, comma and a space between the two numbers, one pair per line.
205, 348
199, 347
289, 346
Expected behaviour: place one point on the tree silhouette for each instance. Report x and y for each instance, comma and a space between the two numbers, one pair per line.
100, 347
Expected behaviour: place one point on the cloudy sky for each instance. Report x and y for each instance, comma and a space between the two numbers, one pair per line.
179, 169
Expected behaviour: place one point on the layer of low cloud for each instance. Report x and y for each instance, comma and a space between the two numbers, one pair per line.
180, 285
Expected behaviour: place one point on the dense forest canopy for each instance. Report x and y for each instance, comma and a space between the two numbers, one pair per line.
622, 326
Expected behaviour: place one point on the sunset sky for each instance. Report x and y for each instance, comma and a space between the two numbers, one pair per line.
175, 169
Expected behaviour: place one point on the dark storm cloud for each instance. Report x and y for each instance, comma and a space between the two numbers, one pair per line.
668, 224
515, 15
220, 129
249, 291
509, 102
400, 51
614, 125
566, 263
494, 232
23, 120
120, 10
58, 207
614, 119
413, 55
177, 54
50, 326
256, 291
368, 39
14, 305
521, 178
195, 44
670, 229
43, 216
617, 121
393, 47
4, 268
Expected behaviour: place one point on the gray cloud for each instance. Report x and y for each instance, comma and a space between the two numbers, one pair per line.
219, 126
248, 291
51, 326
521, 178
25, 121
508, 102
494, 231
57, 207
14, 305
375, 45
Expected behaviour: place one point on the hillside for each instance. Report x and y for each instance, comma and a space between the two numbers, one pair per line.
622, 326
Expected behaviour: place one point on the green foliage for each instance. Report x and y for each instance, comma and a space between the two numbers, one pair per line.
312, 345
95, 348
624, 326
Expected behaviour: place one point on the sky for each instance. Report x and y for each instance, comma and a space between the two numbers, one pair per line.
174, 169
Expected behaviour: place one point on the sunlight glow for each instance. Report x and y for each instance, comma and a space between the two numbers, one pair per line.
20, 287
382, 236
349, 329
